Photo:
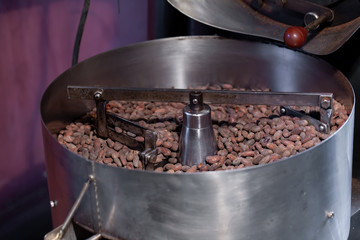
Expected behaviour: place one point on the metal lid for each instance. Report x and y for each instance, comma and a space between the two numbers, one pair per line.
328, 23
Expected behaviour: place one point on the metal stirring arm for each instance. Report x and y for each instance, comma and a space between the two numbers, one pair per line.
319, 126
197, 138
322, 100
107, 122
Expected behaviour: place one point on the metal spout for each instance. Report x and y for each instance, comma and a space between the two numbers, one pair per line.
197, 139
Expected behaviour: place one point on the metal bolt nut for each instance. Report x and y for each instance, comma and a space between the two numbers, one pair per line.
98, 95
325, 103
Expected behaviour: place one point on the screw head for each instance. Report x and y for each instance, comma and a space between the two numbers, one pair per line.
322, 128
91, 177
330, 214
282, 110
325, 103
97, 95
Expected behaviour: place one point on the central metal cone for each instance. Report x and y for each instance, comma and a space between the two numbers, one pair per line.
197, 139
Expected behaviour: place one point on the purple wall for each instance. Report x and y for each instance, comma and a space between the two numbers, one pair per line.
36, 44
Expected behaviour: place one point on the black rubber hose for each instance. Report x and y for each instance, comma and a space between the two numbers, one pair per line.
80, 32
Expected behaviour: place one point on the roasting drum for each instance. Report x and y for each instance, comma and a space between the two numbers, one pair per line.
288, 199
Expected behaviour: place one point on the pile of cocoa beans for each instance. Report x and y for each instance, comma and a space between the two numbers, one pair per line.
247, 135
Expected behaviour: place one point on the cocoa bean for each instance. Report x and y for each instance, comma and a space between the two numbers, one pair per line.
248, 135
247, 162
308, 144
265, 160
247, 154
192, 169
215, 166
107, 160
167, 144
277, 135
236, 161
172, 160
212, 159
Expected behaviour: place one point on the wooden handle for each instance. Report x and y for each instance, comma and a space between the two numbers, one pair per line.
295, 37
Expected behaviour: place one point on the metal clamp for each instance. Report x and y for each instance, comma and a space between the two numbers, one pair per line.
105, 127
325, 105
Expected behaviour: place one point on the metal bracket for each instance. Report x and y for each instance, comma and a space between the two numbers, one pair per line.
322, 125
105, 127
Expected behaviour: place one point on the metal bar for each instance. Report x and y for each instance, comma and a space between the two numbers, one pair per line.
149, 136
209, 96
319, 125
147, 148
75, 207
116, 121
304, 7
101, 118
95, 237
124, 139
317, 22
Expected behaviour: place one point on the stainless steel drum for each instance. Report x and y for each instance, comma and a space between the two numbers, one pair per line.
306, 196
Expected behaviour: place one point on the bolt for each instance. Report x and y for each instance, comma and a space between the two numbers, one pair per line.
97, 95
91, 177
53, 203
195, 101
330, 214
322, 128
325, 103
282, 110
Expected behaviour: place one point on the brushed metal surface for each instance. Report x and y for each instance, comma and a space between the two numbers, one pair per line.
288, 199
240, 17
197, 139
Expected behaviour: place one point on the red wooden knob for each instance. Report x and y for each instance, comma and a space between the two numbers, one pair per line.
295, 37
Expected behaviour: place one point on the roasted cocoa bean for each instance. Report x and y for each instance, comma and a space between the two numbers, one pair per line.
247, 154
248, 135
308, 144
212, 159
159, 169
192, 169
247, 162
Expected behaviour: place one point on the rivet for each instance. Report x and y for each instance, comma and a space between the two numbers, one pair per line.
53, 203
330, 214
282, 110
97, 95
